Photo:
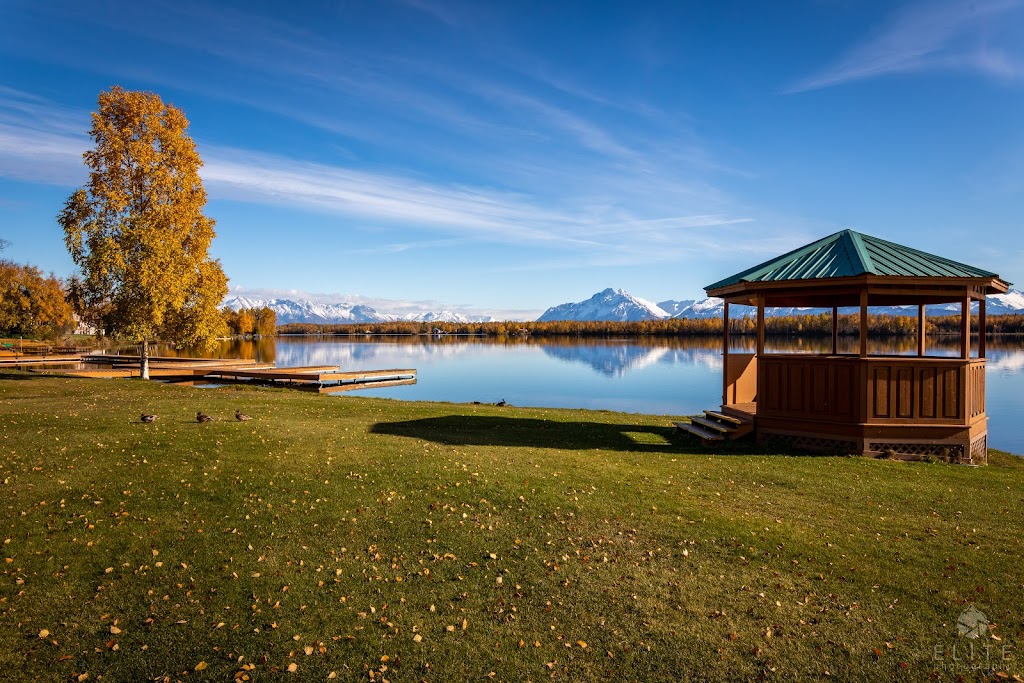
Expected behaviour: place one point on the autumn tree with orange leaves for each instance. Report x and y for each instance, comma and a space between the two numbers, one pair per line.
31, 303
137, 229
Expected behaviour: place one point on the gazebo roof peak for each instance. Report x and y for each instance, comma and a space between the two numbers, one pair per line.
848, 253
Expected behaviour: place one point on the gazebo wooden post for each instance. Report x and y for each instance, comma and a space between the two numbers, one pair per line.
725, 355
864, 323
920, 329
835, 330
981, 327
965, 327
760, 325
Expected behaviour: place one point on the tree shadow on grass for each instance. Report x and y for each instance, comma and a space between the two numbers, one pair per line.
21, 375
483, 430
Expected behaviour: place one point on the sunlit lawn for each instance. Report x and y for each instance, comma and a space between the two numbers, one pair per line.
369, 539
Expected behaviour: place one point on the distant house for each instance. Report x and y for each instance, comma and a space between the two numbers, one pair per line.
84, 328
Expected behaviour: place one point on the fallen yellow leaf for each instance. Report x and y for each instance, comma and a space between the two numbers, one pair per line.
200, 666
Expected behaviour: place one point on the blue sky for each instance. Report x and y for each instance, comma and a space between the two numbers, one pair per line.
506, 157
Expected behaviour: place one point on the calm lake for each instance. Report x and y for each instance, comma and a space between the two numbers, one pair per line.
656, 376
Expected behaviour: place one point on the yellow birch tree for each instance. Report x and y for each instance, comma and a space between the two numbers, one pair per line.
137, 229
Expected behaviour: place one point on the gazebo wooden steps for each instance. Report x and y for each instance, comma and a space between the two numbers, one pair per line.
716, 426
705, 435
722, 417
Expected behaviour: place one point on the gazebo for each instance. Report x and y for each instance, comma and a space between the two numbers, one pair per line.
904, 406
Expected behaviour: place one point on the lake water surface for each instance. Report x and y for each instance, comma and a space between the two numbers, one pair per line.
656, 376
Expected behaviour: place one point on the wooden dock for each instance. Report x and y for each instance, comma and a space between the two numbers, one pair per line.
320, 378
23, 361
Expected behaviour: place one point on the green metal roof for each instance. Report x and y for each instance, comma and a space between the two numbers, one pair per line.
847, 254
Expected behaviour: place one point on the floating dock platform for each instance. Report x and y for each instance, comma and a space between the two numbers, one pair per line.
321, 378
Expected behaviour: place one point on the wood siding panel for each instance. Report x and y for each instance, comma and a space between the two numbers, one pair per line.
797, 391
821, 389
905, 392
976, 389
773, 390
880, 385
951, 399
929, 393
844, 391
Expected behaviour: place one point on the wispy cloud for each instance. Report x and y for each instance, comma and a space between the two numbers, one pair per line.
43, 152
591, 136
951, 35
483, 213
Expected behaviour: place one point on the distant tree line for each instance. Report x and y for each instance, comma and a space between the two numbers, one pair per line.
250, 321
805, 325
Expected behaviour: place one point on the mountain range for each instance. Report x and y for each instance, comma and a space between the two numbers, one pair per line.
305, 311
617, 304
609, 304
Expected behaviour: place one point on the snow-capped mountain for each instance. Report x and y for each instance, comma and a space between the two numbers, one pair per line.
611, 304
305, 311
693, 308
996, 304
616, 304
441, 317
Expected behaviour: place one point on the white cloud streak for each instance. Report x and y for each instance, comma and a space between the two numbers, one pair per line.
43, 153
951, 35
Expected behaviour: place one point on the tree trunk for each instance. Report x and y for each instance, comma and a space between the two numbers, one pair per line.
144, 360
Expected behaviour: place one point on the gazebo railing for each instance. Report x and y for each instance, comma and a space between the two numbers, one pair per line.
893, 390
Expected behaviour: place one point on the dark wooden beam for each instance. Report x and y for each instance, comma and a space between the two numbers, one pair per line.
982, 333
965, 327
760, 326
864, 323
818, 285
725, 355
835, 330
921, 326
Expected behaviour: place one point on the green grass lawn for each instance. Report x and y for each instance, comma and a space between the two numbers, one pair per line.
367, 539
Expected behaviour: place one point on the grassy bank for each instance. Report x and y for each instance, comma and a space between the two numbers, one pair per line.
374, 539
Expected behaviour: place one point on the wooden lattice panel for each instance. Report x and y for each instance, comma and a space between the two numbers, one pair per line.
979, 451
811, 443
946, 452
